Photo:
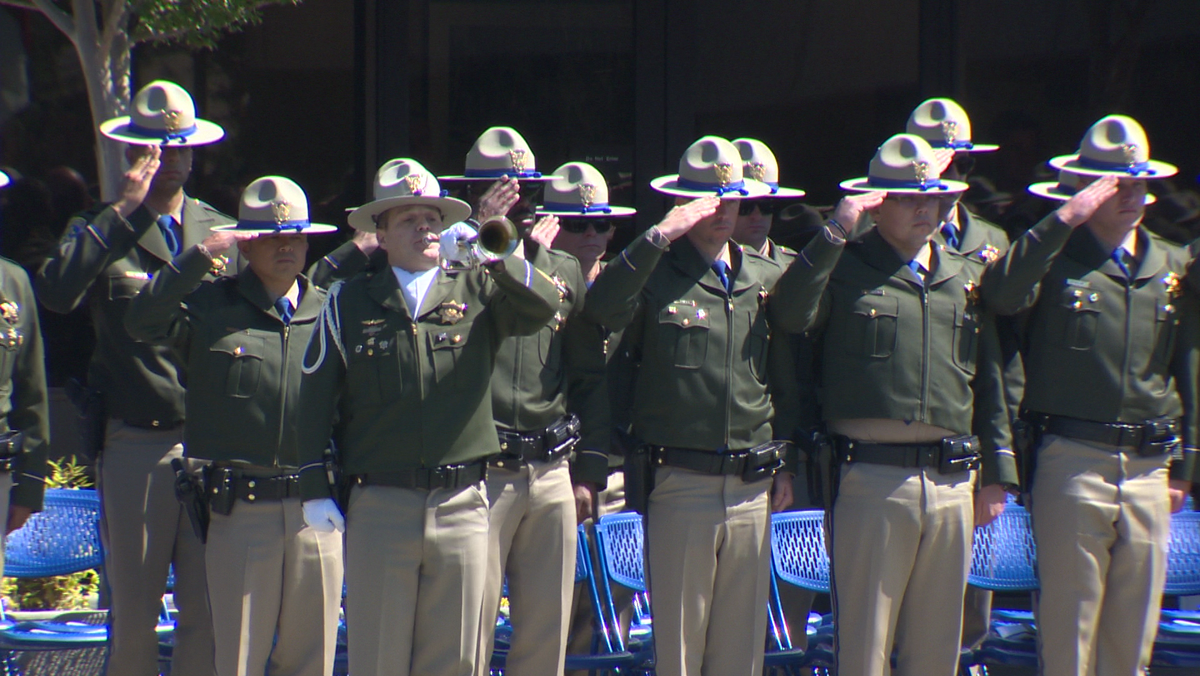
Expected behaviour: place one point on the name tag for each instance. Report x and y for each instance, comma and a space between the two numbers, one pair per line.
1079, 283
134, 274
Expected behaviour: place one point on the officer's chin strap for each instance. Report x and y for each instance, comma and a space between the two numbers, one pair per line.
329, 322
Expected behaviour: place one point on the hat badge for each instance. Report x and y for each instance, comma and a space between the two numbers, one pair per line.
415, 181
921, 169
724, 173
1130, 151
517, 157
171, 120
587, 194
757, 170
281, 210
950, 131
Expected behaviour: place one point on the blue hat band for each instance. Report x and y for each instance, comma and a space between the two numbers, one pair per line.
166, 136
700, 186
598, 207
1131, 169
272, 225
497, 173
885, 183
955, 145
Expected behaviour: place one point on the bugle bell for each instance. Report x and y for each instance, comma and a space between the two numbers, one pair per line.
496, 239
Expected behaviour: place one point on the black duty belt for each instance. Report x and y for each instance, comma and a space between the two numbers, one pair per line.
259, 488
756, 463
7, 465
554, 442
445, 476
1158, 436
949, 456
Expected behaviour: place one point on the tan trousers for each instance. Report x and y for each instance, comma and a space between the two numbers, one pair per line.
901, 552
145, 530
1101, 521
275, 588
415, 567
612, 501
977, 616
532, 540
708, 542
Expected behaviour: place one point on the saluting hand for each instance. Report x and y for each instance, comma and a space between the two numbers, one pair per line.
135, 184
545, 230
942, 157
220, 241
681, 219
499, 198
851, 208
366, 242
1084, 203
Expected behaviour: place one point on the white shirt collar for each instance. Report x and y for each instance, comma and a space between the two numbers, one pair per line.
414, 286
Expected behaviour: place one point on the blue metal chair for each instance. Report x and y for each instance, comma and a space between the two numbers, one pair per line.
63, 538
604, 658
1178, 640
1004, 558
799, 558
621, 556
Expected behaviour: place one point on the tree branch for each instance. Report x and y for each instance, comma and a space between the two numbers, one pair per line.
113, 16
61, 20
142, 36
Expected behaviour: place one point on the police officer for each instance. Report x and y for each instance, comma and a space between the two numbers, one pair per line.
274, 584
901, 326
756, 216
107, 256
578, 197
25, 427
532, 534
1111, 392
694, 308
398, 376
945, 125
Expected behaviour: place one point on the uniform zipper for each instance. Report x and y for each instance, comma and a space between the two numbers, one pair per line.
728, 366
287, 330
925, 354
418, 358
1128, 330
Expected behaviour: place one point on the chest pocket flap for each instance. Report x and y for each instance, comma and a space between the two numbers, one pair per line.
243, 355
873, 326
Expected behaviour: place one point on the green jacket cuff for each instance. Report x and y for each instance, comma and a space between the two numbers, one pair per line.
314, 485
591, 466
1000, 467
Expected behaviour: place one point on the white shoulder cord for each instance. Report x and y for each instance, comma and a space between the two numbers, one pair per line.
330, 320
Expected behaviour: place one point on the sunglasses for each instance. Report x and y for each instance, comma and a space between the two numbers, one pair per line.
578, 226
765, 207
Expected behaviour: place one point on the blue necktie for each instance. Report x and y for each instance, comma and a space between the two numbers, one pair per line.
284, 306
167, 225
1125, 261
722, 271
951, 234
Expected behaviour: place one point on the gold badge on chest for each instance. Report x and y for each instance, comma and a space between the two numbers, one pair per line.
451, 312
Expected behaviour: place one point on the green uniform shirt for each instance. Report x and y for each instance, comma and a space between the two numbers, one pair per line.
343, 263
1099, 346
899, 348
108, 259
702, 379
530, 383
23, 398
244, 362
396, 392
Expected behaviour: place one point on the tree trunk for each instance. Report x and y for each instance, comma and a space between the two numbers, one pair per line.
106, 73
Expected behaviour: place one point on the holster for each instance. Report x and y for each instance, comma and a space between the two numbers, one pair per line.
1027, 431
92, 420
339, 485
764, 460
221, 493
639, 478
824, 471
1162, 438
959, 454
189, 490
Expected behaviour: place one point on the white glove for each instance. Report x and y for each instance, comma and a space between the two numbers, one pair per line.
455, 242
323, 516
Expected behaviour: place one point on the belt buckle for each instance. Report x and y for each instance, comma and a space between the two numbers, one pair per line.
926, 456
